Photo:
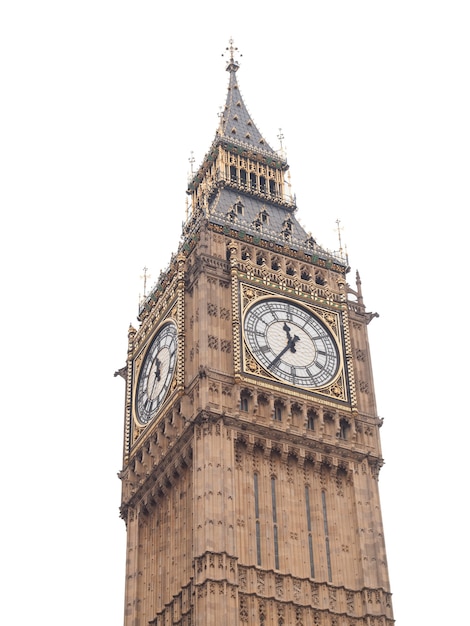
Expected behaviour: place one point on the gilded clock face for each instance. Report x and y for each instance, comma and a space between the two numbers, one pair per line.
291, 343
156, 373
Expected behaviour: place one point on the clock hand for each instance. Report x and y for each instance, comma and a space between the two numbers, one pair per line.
290, 346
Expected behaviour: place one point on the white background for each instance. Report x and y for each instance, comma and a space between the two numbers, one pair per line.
101, 105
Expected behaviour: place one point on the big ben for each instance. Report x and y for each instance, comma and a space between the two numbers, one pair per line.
251, 436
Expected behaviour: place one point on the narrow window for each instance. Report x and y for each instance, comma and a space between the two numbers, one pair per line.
244, 402
311, 420
253, 184
327, 537
262, 183
275, 535
258, 531
278, 412
233, 174
343, 429
309, 529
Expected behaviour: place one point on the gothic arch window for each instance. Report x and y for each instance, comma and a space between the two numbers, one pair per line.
275, 263
296, 412
290, 269
329, 422
243, 177
260, 260
253, 181
245, 253
305, 273
262, 184
263, 404
320, 278
245, 400
311, 418
233, 174
264, 217
239, 207
278, 410
344, 428
272, 187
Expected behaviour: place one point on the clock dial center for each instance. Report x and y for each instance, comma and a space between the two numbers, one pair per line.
301, 352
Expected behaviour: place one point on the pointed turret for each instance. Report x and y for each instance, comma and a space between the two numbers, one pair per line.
236, 125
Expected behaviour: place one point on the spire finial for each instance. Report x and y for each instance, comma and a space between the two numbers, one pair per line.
145, 277
339, 229
232, 65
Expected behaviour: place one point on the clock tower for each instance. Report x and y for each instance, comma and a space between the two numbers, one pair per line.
251, 439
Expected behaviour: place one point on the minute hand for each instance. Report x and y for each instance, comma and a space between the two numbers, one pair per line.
290, 346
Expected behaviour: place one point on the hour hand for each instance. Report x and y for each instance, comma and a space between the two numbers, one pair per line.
291, 342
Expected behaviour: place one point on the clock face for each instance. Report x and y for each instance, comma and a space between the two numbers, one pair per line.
156, 373
291, 343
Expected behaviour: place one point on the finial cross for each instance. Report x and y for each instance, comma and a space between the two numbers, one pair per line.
232, 50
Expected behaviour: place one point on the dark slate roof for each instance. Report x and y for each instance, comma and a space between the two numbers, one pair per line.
279, 225
236, 124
